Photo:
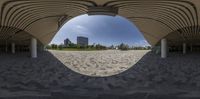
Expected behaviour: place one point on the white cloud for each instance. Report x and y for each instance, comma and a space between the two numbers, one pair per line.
80, 27
81, 30
141, 43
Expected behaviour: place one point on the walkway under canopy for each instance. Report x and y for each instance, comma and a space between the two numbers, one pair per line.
175, 20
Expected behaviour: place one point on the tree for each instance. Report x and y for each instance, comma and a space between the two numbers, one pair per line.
48, 46
111, 47
54, 46
72, 45
60, 47
78, 46
123, 46
100, 47
148, 47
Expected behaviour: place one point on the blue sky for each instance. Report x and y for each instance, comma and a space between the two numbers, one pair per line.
101, 29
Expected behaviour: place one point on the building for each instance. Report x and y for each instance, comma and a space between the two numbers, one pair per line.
82, 41
165, 24
67, 42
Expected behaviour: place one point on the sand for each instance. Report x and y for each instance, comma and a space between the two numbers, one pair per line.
99, 63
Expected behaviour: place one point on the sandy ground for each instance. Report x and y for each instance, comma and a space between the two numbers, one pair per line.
99, 63
47, 77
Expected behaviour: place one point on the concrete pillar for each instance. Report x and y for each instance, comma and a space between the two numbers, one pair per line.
33, 48
184, 48
191, 48
13, 48
164, 48
6, 49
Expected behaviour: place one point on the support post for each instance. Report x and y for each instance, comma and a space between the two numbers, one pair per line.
163, 48
33, 48
13, 48
191, 48
6, 49
184, 48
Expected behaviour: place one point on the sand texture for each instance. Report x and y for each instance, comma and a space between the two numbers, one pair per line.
99, 63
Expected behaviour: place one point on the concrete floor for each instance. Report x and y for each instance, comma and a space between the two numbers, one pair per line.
176, 77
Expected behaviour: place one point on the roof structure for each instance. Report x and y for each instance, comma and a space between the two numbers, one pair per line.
176, 20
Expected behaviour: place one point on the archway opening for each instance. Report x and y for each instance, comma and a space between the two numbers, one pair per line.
99, 45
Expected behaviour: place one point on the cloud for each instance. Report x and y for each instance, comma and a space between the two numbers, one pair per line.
141, 43
80, 27
81, 30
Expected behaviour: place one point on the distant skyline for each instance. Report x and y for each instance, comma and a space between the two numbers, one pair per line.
101, 29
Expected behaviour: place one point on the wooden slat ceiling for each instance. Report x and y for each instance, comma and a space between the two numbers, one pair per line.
156, 19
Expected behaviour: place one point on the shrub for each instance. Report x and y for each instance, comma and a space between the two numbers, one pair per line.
123, 46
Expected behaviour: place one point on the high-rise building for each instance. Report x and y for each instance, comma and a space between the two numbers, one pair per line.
67, 42
82, 41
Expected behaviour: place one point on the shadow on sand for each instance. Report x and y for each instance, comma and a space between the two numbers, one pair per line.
176, 77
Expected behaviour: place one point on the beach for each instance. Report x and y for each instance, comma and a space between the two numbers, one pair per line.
99, 63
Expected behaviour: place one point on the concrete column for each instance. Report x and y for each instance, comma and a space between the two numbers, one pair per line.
33, 48
6, 49
13, 48
191, 48
184, 48
164, 48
